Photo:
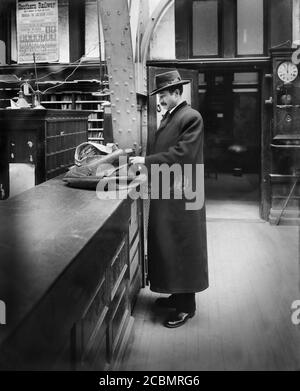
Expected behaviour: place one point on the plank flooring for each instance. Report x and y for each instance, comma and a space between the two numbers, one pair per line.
243, 321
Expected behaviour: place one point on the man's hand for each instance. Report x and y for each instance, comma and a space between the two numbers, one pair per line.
137, 160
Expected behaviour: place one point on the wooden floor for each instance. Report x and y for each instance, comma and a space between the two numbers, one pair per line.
243, 321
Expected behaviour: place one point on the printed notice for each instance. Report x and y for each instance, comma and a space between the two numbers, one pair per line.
37, 31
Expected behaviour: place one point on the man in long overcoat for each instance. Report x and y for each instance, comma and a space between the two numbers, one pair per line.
177, 247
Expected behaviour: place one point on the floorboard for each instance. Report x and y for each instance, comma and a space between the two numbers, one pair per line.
243, 321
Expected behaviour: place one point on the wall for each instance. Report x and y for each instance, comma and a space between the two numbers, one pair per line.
152, 5
91, 28
296, 21
63, 30
91, 31
162, 44
280, 19
134, 12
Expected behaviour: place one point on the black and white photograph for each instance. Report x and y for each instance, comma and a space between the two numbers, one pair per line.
149, 188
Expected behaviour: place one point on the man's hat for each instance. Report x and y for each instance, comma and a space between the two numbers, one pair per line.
166, 80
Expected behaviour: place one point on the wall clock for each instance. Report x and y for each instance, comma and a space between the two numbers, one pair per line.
287, 71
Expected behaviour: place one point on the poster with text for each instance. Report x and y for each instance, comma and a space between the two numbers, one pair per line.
37, 31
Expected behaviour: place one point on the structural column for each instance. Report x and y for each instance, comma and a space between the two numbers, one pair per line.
119, 57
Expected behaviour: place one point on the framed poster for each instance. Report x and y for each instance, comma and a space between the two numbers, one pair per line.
37, 31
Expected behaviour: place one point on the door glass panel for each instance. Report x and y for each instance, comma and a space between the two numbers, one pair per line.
205, 28
250, 29
245, 78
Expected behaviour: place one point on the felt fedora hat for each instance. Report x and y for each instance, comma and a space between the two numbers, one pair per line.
166, 80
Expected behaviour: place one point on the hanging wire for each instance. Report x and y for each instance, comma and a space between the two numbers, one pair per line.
102, 91
54, 72
63, 82
59, 84
99, 43
67, 66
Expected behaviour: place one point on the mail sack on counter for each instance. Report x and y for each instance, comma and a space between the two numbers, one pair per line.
98, 163
89, 150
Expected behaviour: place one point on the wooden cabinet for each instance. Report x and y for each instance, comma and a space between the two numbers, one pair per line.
66, 88
79, 95
43, 139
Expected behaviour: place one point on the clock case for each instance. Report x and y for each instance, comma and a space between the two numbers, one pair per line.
285, 144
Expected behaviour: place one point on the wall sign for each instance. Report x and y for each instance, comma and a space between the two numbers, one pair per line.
37, 31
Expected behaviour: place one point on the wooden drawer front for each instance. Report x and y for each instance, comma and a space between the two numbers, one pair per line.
134, 264
65, 126
97, 359
93, 322
135, 286
120, 316
118, 268
133, 226
62, 137
64, 360
133, 247
100, 362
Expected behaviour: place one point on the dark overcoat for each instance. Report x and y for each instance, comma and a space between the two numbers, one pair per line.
177, 245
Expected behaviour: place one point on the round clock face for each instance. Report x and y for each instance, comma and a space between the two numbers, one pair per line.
287, 71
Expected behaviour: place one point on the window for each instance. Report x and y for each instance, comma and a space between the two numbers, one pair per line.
205, 35
250, 27
222, 28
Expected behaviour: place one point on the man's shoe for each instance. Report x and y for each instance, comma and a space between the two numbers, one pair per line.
166, 302
177, 319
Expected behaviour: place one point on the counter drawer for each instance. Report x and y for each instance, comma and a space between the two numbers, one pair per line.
118, 268
133, 223
91, 329
119, 319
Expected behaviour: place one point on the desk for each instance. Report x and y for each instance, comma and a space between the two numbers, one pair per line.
67, 278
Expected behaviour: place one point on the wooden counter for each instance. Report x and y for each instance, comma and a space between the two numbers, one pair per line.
67, 278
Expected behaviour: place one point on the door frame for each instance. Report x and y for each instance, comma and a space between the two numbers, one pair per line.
263, 67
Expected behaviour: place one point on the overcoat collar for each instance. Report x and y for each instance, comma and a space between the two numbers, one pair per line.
163, 125
182, 104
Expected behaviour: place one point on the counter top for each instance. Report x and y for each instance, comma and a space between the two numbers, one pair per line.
41, 232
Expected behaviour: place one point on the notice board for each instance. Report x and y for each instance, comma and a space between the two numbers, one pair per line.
37, 31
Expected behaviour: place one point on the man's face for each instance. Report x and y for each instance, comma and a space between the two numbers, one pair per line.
168, 100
